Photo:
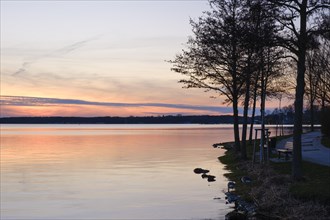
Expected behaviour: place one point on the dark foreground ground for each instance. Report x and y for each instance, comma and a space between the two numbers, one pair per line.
273, 191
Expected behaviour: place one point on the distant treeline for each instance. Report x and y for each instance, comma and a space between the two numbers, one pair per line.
203, 119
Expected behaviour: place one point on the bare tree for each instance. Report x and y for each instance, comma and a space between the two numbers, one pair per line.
257, 22
264, 60
296, 17
213, 58
313, 73
323, 77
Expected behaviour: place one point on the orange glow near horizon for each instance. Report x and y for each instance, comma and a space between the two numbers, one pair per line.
32, 146
24, 106
103, 62
94, 111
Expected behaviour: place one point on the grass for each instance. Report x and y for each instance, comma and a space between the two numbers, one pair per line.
275, 177
315, 185
326, 141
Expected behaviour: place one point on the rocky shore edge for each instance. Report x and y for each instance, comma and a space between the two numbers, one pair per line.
268, 195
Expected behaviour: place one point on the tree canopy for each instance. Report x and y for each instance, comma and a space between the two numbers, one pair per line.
240, 50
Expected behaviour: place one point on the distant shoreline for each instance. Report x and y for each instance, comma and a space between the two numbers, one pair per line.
168, 119
178, 119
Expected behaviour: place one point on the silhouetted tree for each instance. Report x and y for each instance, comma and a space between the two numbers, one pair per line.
263, 64
256, 21
323, 73
313, 73
296, 17
213, 58
254, 104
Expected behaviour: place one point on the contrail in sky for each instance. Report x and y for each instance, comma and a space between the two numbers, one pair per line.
23, 68
60, 52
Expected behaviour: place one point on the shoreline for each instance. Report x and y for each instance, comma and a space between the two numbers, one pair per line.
272, 190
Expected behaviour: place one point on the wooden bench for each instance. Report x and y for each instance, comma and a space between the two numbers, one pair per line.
284, 151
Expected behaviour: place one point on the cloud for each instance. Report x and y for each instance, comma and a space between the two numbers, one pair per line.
67, 49
23, 68
39, 101
56, 53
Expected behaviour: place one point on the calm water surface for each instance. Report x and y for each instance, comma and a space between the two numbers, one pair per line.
111, 171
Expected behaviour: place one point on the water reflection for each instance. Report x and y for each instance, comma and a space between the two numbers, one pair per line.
109, 173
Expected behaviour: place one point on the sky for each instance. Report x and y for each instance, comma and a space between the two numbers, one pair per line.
98, 58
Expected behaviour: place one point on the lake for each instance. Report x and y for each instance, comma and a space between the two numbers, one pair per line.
112, 171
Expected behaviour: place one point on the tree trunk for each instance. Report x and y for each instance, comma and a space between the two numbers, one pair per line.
312, 113
253, 110
297, 130
245, 118
323, 103
236, 124
311, 91
246, 108
262, 112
